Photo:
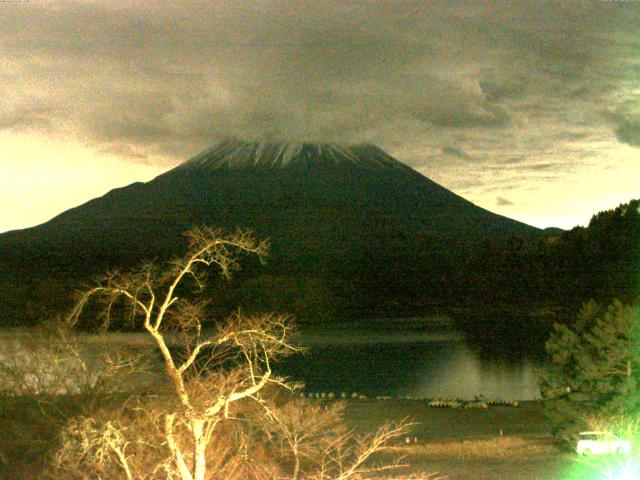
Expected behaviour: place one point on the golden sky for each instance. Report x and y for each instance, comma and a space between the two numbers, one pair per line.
42, 177
528, 109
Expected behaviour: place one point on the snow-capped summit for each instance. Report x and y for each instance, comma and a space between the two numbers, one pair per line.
236, 154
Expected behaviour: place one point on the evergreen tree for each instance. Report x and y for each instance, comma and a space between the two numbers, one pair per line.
593, 369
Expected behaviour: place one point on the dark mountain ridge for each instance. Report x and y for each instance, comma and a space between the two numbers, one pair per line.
274, 185
342, 210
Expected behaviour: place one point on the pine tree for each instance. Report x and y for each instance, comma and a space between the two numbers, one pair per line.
593, 368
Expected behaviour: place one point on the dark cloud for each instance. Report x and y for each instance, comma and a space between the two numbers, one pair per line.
513, 161
503, 202
627, 118
32, 118
141, 79
455, 152
468, 113
542, 166
122, 150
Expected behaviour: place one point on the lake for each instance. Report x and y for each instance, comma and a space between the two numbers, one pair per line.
418, 359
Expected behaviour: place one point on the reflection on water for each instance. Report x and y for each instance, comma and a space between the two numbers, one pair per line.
435, 364
431, 361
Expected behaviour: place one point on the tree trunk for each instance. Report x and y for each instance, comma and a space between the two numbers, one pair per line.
296, 466
200, 446
181, 465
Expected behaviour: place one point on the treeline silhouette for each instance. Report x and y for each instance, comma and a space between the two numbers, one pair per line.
532, 280
517, 287
600, 261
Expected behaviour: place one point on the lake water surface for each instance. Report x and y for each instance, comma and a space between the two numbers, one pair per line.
424, 359
433, 361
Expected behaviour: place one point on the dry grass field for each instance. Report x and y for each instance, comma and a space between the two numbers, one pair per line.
458, 444
465, 444
513, 458
527, 419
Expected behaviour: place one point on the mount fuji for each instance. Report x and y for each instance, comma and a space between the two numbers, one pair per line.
326, 208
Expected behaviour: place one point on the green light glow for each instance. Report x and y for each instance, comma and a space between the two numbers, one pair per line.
604, 467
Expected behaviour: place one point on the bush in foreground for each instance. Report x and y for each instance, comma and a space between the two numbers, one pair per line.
593, 371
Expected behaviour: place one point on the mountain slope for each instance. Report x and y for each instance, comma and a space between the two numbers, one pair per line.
307, 196
340, 212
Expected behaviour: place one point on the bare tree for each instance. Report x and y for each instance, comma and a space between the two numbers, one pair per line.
86, 440
315, 437
53, 360
217, 375
152, 296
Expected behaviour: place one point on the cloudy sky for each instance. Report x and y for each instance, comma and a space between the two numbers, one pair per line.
530, 109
